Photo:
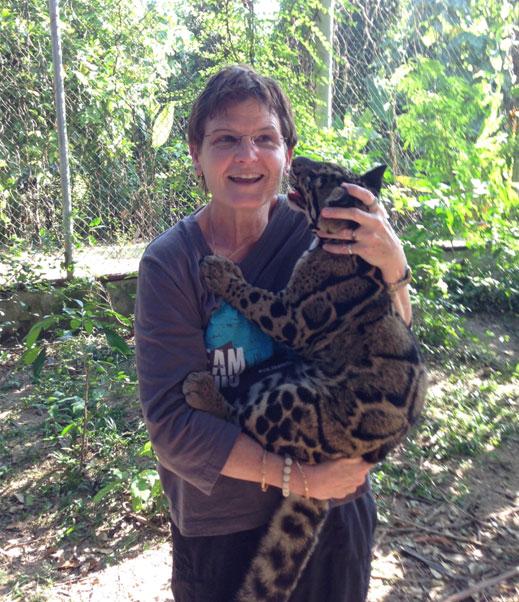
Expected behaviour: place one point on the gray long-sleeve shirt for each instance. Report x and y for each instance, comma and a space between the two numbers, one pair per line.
173, 311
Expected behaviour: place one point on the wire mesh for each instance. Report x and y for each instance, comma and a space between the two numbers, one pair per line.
128, 93
123, 188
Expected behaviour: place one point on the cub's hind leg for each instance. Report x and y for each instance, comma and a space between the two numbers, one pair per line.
201, 394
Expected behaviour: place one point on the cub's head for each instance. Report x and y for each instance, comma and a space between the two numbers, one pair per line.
316, 185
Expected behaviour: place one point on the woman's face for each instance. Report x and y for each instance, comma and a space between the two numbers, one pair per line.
243, 156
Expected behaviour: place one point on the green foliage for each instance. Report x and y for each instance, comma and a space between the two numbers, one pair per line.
85, 390
424, 87
441, 121
73, 414
475, 419
85, 313
486, 279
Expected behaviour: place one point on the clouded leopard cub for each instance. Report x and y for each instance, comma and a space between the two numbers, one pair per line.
356, 387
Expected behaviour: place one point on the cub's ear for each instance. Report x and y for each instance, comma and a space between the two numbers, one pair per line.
373, 178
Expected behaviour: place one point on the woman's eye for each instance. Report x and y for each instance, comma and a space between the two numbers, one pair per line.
264, 139
226, 139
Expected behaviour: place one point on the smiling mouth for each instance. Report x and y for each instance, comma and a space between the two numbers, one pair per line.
245, 179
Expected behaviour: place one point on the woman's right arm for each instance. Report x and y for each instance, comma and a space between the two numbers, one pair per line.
331, 479
169, 345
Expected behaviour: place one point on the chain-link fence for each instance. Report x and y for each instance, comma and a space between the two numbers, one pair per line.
132, 70
121, 189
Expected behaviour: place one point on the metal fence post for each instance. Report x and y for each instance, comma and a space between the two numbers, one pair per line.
59, 91
325, 74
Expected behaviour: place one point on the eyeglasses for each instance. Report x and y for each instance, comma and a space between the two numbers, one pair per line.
270, 141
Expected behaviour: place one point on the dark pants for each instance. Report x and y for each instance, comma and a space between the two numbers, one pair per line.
211, 569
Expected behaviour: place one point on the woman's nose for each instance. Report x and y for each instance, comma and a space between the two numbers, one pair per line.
246, 147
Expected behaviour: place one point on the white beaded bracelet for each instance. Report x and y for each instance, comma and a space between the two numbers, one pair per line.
287, 468
264, 485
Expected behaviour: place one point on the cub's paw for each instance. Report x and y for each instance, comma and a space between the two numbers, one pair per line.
199, 390
218, 272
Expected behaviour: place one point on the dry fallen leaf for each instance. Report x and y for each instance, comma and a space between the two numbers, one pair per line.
15, 526
435, 539
90, 564
69, 564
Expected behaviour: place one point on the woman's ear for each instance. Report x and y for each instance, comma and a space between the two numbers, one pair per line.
193, 151
288, 160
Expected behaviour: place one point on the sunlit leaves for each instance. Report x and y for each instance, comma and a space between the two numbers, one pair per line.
163, 125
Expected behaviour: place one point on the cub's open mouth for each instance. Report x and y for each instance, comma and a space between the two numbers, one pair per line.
294, 196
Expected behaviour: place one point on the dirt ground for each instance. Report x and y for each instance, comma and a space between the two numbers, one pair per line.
426, 548
425, 553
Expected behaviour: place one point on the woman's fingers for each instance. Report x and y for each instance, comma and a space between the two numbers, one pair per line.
363, 194
342, 249
345, 234
353, 213
337, 478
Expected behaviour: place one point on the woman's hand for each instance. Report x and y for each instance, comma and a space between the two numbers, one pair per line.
336, 478
374, 240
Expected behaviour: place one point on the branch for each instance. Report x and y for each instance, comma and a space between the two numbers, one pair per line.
473, 589
432, 564
425, 529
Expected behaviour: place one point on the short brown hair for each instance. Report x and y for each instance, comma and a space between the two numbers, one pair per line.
234, 84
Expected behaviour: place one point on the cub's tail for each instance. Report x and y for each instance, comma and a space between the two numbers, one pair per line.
284, 551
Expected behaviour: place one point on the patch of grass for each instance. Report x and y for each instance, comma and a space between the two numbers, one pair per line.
472, 408
23, 587
468, 418
84, 443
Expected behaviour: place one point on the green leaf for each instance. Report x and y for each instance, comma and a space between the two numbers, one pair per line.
75, 324
38, 364
122, 319
144, 490
163, 124
33, 335
82, 78
417, 184
116, 342
78, 405
106, 490
30, 355
147, 450
67, 429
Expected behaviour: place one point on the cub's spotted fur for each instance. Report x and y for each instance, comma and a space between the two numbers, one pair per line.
357, 387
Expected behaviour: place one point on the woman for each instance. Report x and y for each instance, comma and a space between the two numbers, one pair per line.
241, 138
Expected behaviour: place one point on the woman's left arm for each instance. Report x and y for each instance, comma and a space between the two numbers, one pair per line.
374, 240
